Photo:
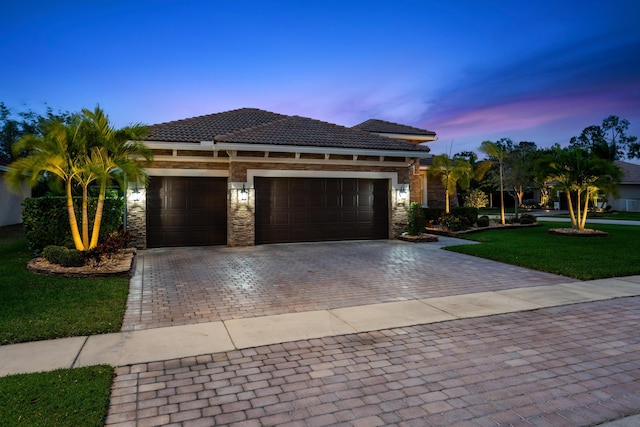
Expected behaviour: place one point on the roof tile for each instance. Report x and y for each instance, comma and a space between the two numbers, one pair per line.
254, 126
382, 126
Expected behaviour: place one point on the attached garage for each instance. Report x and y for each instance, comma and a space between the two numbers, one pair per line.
320, 209
186, 211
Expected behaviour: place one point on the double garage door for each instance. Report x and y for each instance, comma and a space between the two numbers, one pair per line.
319, 209
192, 211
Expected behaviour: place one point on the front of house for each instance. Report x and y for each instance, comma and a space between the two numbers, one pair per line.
250, 176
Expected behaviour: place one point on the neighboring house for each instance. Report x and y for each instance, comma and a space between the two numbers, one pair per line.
250, 176
10, 203
628, 197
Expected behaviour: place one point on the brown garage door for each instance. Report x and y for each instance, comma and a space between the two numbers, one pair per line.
319, 209
186, 211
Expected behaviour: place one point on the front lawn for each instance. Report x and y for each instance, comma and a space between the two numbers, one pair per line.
36, 307
584, 258
66, 397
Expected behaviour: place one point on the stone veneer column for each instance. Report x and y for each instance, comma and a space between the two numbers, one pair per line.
136, 217
399, 213
241, 226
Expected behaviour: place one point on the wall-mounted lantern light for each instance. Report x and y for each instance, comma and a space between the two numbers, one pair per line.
402, 192
136, 196
243, 195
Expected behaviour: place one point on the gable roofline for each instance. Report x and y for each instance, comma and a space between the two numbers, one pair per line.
396, 130
630, 171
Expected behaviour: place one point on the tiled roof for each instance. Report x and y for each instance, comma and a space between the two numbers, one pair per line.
206, 128
302, 131
253, 126
631, 172
381, 126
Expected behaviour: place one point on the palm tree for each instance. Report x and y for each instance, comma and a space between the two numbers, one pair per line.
88, 151
47, 156
451, 172
580, 173
115, 155
496, 152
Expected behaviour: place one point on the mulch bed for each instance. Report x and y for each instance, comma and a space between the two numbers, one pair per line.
120, 265
587, 232
419, 239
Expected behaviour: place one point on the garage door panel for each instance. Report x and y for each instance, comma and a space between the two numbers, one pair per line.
320, 209
186, 211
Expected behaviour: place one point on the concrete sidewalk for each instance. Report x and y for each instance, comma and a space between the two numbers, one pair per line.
144, 346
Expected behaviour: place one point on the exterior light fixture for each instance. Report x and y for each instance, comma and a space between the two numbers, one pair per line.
244, 194
136, 196
402, 193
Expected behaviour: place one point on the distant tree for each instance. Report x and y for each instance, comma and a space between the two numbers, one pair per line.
497, 152
519, 172
609, 141
14, 126
479, 169
580, 174
451, 172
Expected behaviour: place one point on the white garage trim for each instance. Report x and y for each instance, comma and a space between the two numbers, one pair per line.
272, 173
221, 173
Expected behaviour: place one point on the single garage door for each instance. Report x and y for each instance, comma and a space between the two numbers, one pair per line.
319, 209
186, 211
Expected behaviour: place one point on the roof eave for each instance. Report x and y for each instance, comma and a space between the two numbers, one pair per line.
407, 136
320, 150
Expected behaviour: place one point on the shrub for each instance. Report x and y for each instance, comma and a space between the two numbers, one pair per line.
528, 219
46, 220
476, 198
110, 245
415, 220
454, 223
468, 215
73, 258
529, 204
54, 254
433, 215
63, 256
483, 221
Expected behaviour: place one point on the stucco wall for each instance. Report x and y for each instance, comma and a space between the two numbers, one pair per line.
11, 203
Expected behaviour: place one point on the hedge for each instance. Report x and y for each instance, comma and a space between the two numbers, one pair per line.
46, 220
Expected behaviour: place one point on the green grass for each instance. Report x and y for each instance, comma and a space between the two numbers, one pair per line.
35, 307
66, 397
584, 258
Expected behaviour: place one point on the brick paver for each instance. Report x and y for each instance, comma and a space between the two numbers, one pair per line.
191, 285
573, 365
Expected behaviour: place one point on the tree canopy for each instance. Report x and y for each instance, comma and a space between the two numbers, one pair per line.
609, 141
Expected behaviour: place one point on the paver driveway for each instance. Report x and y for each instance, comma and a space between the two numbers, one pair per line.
179, 286
574, 365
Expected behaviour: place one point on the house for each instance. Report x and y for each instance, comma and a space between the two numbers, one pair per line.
11, 206
249, 176
628, 197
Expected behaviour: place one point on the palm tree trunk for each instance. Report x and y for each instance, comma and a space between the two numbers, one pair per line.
574, 223
501, 198
98, 218
579, 216
446, 201
583, 222
75, 233
85, 219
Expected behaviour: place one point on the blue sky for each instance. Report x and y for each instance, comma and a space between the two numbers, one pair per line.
469, 70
